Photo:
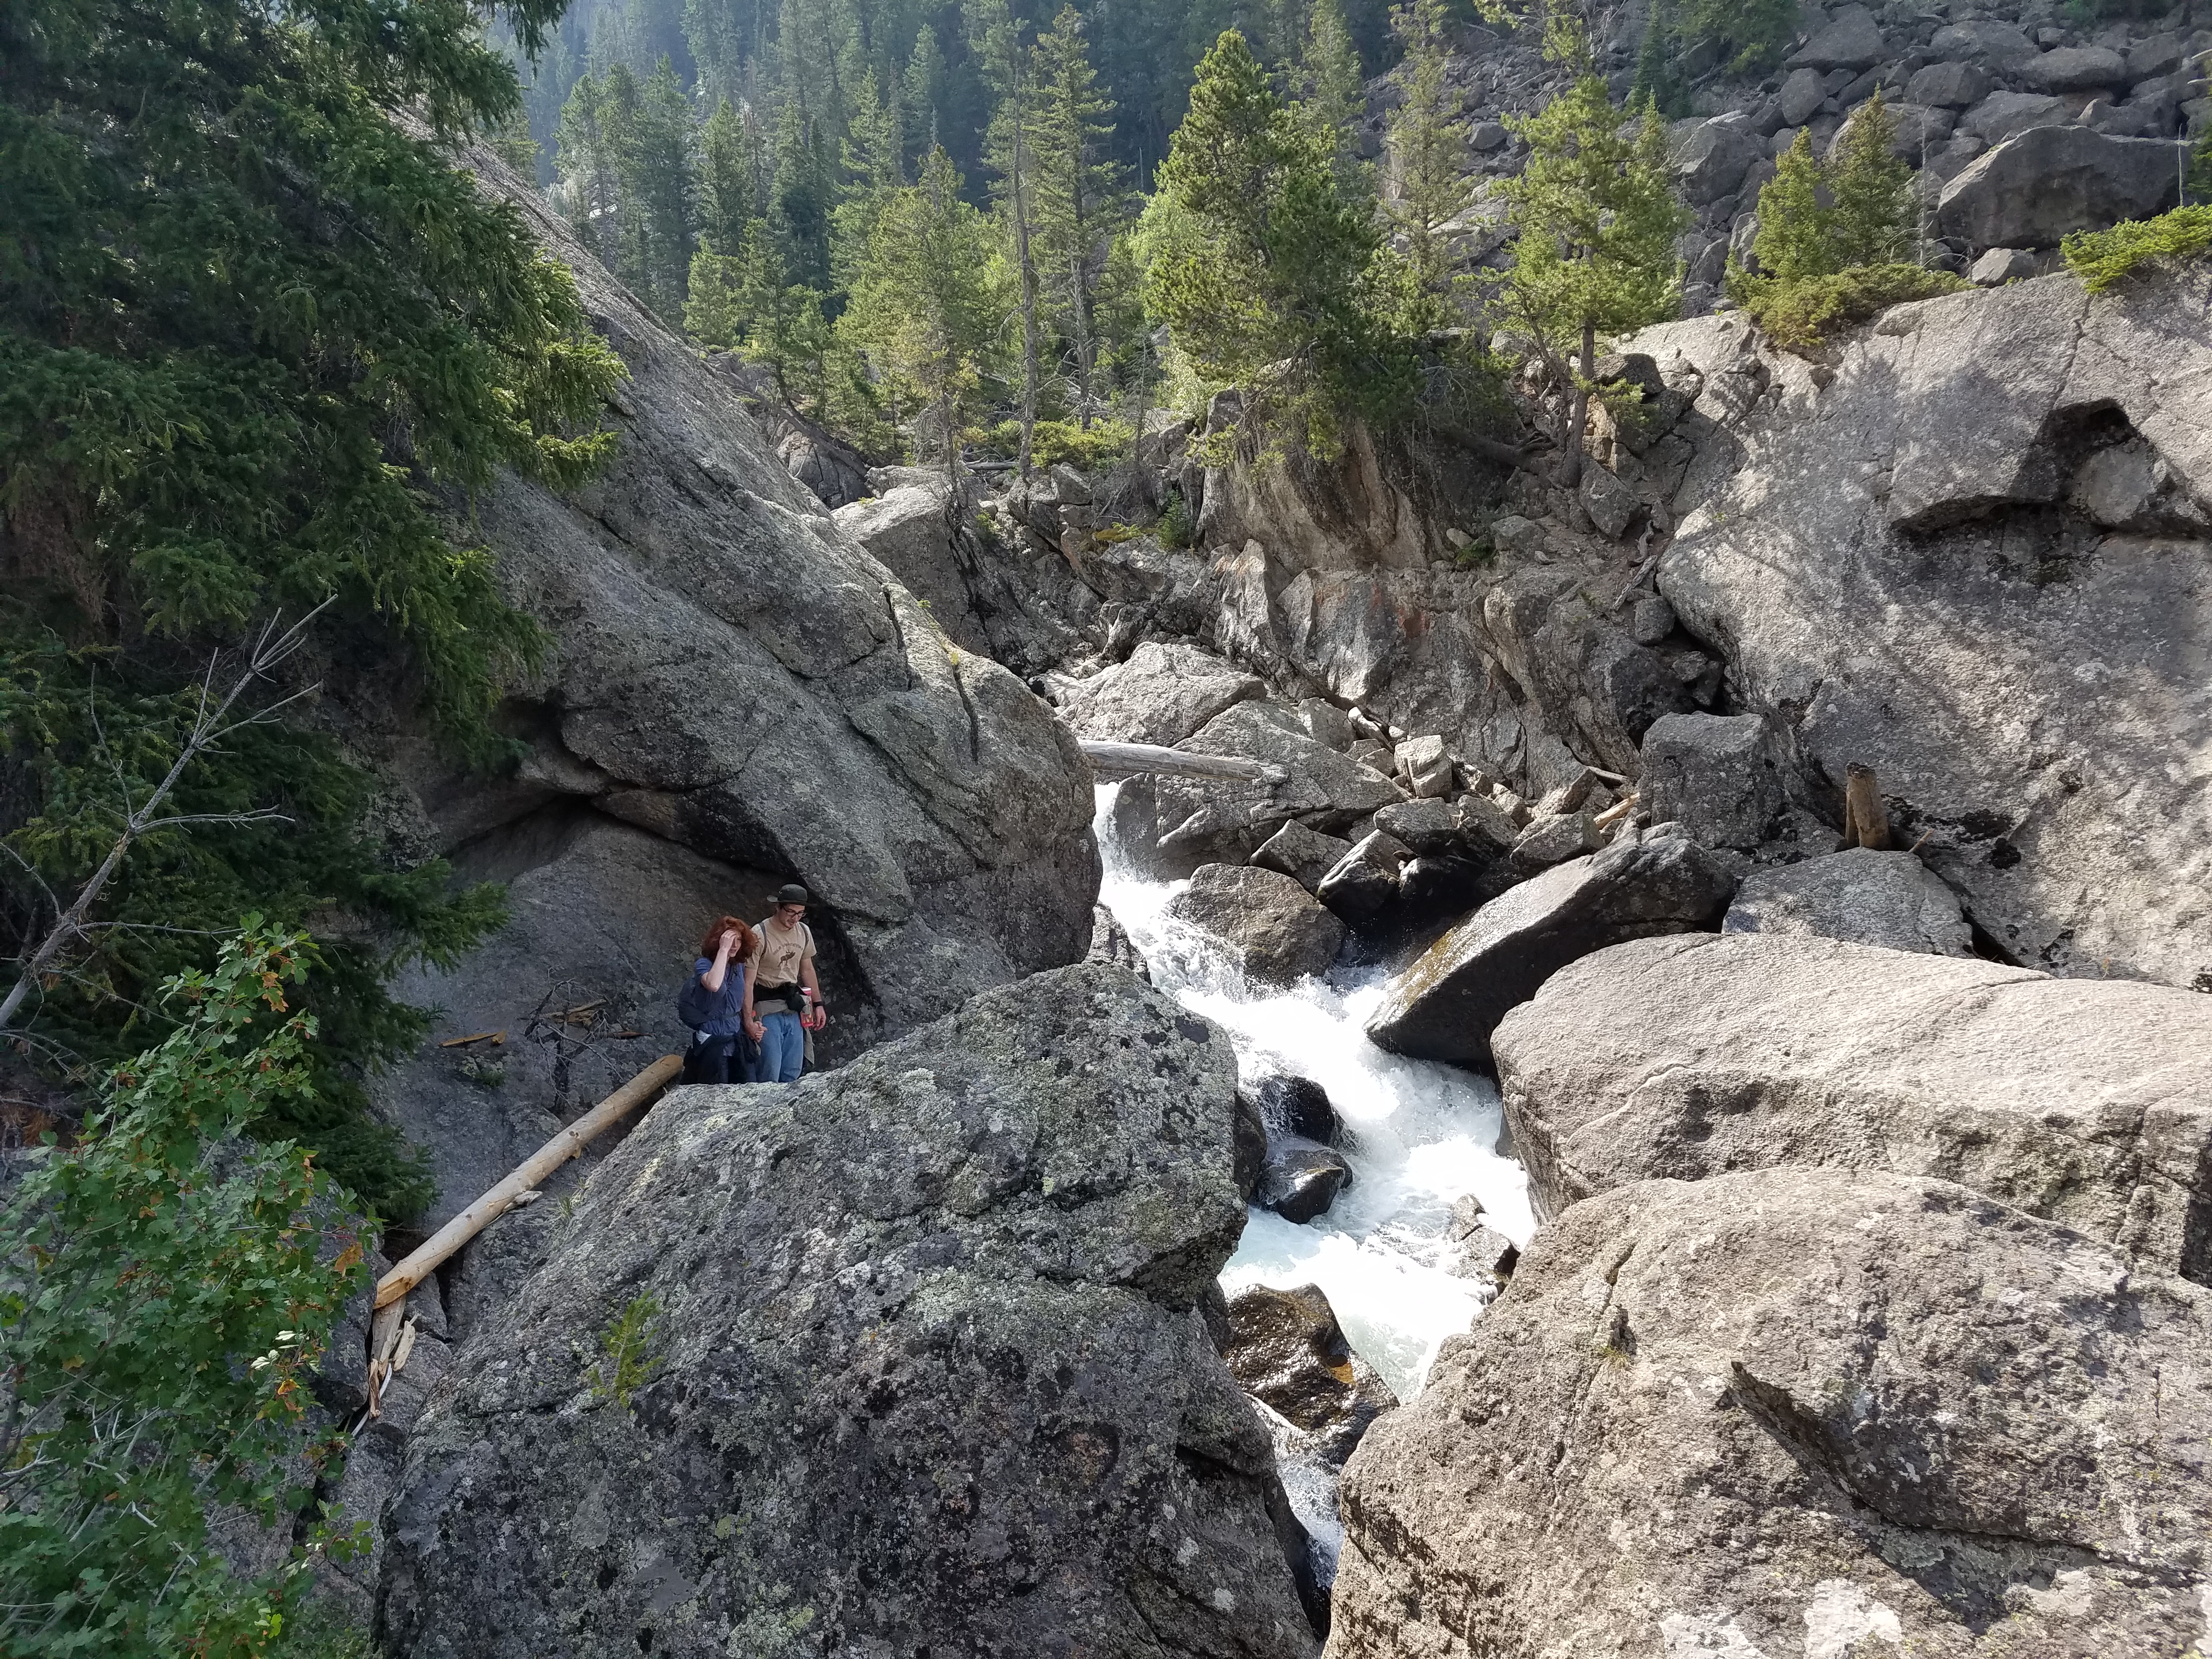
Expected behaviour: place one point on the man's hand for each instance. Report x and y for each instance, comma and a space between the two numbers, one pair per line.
816, 1017
755, 1027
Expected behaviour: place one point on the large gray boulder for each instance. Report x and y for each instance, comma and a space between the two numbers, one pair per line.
2074, 69
2086, 1102
1445, 1005
1880, 561
1714, 775
1999, 116
1999, 45
2039, 186
1270, 927
1859, 895
1710, 160
729, 673
1160, 695
912, 528
919, 1367
1798, 1412
1851, 40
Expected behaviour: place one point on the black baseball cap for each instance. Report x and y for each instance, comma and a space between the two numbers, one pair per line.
790, 893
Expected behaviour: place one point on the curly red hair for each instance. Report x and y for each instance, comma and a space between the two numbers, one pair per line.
713, 942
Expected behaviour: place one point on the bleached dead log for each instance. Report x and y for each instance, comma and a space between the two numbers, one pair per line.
1121, 760
422, 1263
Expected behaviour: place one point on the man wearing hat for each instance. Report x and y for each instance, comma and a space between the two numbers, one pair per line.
781, 991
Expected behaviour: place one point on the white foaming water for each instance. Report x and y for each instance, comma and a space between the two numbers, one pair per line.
1421, 1135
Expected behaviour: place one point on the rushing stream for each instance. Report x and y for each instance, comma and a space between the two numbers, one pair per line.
1420, 1136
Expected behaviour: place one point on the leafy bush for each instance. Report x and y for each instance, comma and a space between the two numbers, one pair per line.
1800, 316
2103, 257
629, 1351
165, 1290
1051, 442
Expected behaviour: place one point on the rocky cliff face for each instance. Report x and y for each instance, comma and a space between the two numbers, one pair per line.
1971, 553
920, 1371
736, 694
1796, 1412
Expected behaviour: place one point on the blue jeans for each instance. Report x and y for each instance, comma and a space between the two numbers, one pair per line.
782, 1050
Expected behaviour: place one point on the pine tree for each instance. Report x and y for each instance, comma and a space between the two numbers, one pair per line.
1076, 191
1597, 218
1793, 241
660, 182
590, 193
729, 181
1874, 219
1333, 95
874, 164
1261, 264
924, 85
801, 195
1428, 161
1010, 150
923, 309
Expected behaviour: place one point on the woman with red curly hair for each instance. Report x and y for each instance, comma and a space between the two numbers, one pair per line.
714, 1006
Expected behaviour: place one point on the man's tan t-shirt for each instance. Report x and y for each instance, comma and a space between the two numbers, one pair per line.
778, 950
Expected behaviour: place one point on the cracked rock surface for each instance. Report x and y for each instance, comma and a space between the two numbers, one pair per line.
1796, 1412
924, 1371
2087, 1103
1899, 569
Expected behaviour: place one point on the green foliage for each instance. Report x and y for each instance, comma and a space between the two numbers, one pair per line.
1800, 316
1750, 34
316, 1630
168, 1286
1793, 241
1427, 146
1834, 239
1261, 264
1177, 527
1078, 196
1872, 221
1597, 218
247, 321
2104, 258
924, 307
78, 727
1658, 83
1087, 448
629, 1355
1333, 94
626, 161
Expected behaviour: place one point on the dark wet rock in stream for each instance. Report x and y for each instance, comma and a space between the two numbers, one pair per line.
917, 1364
1445, 1005
1288, 1351
1300, 1180
1297, 1106
1793, 1411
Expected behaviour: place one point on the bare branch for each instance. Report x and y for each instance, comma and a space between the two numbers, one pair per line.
211, 721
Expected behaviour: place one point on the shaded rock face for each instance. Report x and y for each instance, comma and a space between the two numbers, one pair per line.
1270, 927
2088, 1102
729, 674
1795, 1411
1714, 775
1920, 598
1447, 1004
926, 1372
2041, 184
1860, 895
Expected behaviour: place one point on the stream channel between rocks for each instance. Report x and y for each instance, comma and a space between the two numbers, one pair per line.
1417, 1136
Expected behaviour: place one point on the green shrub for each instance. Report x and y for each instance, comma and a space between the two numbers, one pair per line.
1177, 528
167, 1284
1051, 442
1751, 35
2103, 257
627, 1351
1800, 316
